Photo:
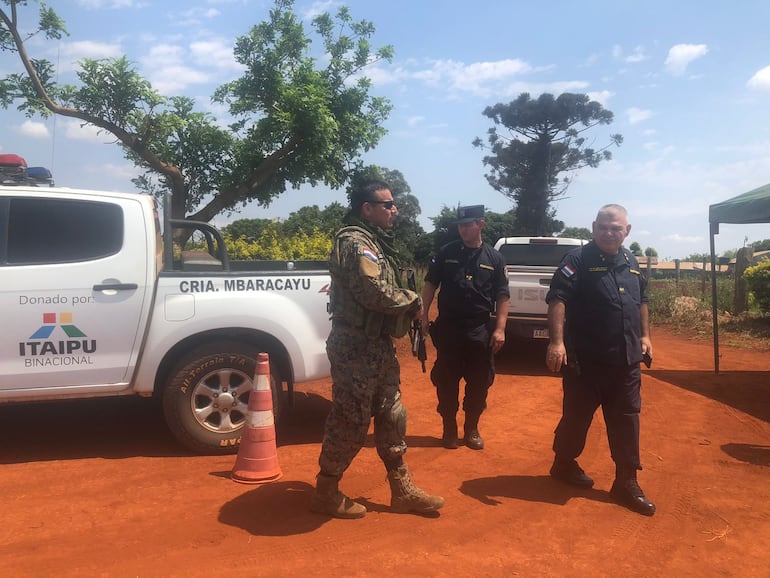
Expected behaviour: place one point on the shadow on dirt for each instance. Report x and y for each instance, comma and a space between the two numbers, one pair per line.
304, 424
111, 428
529, 488
122, 427
280, 508
747, 391
749, 453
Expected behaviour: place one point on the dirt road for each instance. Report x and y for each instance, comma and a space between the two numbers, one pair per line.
100, 488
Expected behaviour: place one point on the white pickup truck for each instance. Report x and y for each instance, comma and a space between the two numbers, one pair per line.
97, 302
530, 264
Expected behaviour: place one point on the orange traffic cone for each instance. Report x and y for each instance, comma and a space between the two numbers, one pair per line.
257, 461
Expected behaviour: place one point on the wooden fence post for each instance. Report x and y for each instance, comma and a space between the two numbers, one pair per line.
741, 297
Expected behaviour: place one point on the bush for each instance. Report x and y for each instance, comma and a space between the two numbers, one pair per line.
758, 279
662, 296
271, 245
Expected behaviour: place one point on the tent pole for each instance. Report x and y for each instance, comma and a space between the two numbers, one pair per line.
714, 230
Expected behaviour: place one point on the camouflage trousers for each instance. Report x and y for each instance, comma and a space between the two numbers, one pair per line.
365, 383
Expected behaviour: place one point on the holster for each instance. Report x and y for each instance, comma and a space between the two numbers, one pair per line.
433, 332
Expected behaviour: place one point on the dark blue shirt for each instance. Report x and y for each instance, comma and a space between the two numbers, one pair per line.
603, 296
470, 281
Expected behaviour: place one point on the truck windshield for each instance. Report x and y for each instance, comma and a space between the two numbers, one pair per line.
535, 255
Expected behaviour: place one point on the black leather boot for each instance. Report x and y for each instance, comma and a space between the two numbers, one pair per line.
472, 437
626, 492
449, 436
569, 472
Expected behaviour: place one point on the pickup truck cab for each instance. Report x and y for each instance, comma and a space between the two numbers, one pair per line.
97, 302
530, 264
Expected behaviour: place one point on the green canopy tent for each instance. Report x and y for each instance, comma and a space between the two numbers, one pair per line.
751, 207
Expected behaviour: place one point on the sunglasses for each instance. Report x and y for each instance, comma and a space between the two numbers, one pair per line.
387, 204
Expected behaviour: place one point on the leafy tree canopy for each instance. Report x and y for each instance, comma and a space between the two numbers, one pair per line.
636, 249
763, 245
650, 252
698, 258
584, 233
533, 143
294, 121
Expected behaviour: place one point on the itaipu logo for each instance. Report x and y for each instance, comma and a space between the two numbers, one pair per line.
75, 348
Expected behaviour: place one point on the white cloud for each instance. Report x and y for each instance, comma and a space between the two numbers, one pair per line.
174, 79
125, 171
486, 79
681, 55
602, 97
194, 16
637, 115
76, 130
167, 71
72, 52
684, 238
760, 80
638, 55
414, 120
33, 129
319, 7
96, 4
479, 78
217, 54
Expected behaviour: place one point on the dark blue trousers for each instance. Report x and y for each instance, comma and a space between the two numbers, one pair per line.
463, 353
617, 390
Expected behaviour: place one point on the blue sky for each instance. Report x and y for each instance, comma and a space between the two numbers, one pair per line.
688, 82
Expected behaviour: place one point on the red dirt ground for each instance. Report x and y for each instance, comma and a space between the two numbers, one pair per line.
99, 488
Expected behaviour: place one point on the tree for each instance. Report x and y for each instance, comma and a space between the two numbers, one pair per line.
583, 233
650, 252
309, 219
293, 123
636, 249
249, 229
544, 140
763, 245
698, 258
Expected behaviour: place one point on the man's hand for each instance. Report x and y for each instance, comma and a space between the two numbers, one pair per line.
646, 345
556, 356
497, 340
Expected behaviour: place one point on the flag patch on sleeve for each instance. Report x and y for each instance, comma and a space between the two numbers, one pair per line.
567, 271
369, 254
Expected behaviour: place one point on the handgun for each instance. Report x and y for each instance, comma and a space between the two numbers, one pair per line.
647, 359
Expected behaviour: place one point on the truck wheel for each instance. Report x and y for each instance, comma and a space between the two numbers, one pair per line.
206, 397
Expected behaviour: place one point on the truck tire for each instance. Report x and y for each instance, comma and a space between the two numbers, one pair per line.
206, 397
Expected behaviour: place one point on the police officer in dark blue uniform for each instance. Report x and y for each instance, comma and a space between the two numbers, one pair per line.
599, 333
472, 281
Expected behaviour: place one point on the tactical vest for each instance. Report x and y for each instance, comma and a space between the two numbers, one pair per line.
343, 303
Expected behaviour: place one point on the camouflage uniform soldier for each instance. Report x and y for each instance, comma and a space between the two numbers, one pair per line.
369, 308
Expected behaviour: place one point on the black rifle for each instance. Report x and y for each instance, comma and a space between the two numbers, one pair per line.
415, 332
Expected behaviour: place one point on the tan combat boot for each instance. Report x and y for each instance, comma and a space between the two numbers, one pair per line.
328, 500
406, 497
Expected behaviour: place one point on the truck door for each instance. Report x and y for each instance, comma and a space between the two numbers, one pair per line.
76, 280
